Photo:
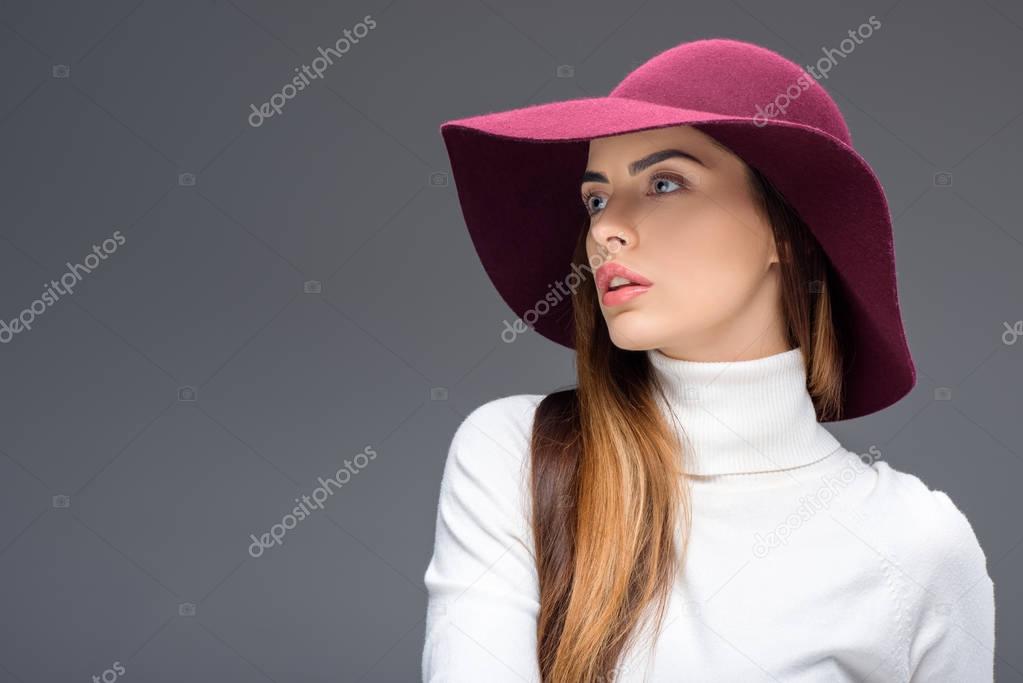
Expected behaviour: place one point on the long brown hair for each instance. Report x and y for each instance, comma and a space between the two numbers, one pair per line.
607, 475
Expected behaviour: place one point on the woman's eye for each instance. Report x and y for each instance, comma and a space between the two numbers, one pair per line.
661, 184
662, 181
593, 203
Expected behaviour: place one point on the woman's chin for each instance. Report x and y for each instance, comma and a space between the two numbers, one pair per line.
633, 334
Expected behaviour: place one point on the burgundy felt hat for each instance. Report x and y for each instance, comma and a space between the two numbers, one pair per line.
517, 175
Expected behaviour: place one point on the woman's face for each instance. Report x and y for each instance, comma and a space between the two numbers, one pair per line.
690, 226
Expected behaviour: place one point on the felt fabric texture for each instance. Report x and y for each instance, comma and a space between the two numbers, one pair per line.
517, 175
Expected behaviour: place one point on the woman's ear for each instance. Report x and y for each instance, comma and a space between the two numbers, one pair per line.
779, 252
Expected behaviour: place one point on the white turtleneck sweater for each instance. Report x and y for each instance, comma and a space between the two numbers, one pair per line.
806, 563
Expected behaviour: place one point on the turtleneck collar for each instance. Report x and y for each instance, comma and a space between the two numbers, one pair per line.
740, 417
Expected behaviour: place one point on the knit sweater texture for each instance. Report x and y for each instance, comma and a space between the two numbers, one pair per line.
806, 562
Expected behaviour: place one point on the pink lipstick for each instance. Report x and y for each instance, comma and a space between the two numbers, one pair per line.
616, 284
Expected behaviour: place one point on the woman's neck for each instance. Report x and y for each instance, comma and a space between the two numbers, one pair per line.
742, 417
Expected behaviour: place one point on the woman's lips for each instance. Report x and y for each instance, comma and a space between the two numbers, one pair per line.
635, 285
615, 297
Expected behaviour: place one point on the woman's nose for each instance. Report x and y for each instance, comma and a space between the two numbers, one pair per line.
613, 235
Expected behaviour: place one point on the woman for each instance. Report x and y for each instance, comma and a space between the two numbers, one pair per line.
682, 514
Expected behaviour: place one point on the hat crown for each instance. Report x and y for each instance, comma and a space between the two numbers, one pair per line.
732, 77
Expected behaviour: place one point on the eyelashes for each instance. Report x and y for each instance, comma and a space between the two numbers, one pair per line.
674, 178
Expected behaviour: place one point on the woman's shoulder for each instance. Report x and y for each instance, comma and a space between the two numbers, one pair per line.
486, 474
515, 409
507, 420
923, 532
939, 573
924, 512
493, 439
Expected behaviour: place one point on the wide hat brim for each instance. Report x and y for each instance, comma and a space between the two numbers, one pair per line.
517, 176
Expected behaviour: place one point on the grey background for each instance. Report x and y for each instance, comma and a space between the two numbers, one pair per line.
208, 292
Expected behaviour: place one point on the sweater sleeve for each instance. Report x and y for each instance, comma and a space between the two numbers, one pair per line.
482, 581
955, 635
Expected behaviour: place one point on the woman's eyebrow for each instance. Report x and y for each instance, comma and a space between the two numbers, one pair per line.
640, 164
